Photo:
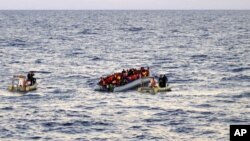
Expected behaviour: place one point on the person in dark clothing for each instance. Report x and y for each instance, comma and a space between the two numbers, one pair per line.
29, 78
124, 81
161, 81
110, 87
32, 79
123, 71
130, 72
164, 80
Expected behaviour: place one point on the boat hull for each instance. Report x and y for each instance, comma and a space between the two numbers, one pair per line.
22, 89
129, 86
154, 89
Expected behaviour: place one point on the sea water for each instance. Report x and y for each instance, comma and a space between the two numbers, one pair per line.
205, 55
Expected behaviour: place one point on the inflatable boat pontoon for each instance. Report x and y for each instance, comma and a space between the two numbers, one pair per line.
129, 86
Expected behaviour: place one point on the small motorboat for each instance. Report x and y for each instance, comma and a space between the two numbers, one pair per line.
153, 90
24, 88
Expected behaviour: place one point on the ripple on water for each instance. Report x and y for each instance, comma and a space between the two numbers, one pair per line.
76, 123
171, 112
205, 105
61, 91
9, 108
242, 95
35, 138
182, 129
237, 78
241, 69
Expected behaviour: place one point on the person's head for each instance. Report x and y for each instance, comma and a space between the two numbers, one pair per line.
161, 75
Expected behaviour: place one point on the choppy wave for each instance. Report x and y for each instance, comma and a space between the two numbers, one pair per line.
87, 32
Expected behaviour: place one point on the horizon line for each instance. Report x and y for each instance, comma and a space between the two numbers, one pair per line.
124, 9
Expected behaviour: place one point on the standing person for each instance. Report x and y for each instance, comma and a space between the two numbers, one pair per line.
161, 81
152, 83
33, 80
123, 71
21, 82
29, 78
164, 80
148, 72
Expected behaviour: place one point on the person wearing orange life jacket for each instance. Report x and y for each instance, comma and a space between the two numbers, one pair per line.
109, 79
144, 73
134, 77
129, 78
114, 82
118, 78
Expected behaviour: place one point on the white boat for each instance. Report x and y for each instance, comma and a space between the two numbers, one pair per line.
129, 86
132, 85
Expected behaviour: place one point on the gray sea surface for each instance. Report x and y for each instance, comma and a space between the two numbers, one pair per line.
205, 55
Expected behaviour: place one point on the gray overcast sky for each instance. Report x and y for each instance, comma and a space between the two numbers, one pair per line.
124, 4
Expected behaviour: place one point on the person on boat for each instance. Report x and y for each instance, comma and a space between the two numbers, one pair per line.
144, 73
153, 83
110, 87
102, 82
141, 70
119, 79
164, 80
29, 79
123, 71
124, 75
109, 79
130, 72
21, 81
124, 81
147, 71
134, 77
161, 81
33, 80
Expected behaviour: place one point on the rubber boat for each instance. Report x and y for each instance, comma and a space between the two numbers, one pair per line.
22, 89
129, 86
153, 90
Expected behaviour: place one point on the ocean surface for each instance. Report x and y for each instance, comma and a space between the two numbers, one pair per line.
205, 54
